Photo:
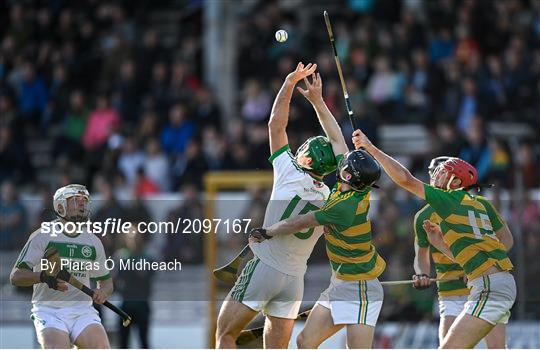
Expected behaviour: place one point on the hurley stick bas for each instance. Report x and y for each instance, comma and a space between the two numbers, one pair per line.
51, 254
229, 272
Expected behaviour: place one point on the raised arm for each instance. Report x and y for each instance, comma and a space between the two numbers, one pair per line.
313, 94
285, 227
397, 172
279, 116
435, 237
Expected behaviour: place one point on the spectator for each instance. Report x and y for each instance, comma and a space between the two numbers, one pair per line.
130, 160
14, 162
69, 142
257, 103
500, 167
183, 83
147, 56
148, 127
448, 140
529, 163
33, 94
13, 224
127, 92
8, 113
442, 46
143, 185
135, 287
214, 149
188, 248
156, 166
476, 150
189, 167
382, 86
47, 213
158, 87
108, 208
207, 113
468, 105
176, 135
100, 124
137, 210
493, 86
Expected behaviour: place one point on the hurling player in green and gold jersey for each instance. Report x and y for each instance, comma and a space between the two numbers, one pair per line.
470, 233
355, 295
453, 293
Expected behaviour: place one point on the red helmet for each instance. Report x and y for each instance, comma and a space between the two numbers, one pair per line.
462, 170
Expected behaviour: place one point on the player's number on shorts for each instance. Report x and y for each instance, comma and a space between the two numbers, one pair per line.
484, 221
306, 209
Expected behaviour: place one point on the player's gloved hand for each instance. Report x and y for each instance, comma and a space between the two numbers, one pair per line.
421, 281
49, 280
258, 235
63, 275
53, 282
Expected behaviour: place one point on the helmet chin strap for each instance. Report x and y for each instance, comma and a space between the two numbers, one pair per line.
450, 182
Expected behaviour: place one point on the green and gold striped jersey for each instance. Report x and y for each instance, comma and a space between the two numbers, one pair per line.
348, 235
469, 224
445, 267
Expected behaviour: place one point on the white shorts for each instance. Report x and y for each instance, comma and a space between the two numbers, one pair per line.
353, 302
452, 305
70, 320
263, 288
492, 297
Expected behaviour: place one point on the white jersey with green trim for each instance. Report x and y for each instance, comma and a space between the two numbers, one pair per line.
85, 260
294, 192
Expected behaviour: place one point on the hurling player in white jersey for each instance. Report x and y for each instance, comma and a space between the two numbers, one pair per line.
273, 282
63, 315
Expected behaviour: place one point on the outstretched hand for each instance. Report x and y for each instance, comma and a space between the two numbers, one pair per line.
360, 140
53, 282
313, 91
434, 235
301, 72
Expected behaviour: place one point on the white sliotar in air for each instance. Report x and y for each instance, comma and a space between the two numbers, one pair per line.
281, 36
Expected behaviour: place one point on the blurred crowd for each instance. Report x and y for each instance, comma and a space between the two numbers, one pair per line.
91, 88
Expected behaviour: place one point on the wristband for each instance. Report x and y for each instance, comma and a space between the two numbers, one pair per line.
49, 280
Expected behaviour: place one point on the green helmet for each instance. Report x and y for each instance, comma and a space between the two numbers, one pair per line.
319, 149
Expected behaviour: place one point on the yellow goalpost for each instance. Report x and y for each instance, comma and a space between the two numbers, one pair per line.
213, 183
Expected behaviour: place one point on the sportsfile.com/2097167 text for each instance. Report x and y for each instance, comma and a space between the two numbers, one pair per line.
180, 225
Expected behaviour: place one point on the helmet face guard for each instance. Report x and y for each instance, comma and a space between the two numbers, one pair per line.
359, 170
435, 163
79, 212
316, 155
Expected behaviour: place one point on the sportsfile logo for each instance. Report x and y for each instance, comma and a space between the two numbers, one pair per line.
110, 225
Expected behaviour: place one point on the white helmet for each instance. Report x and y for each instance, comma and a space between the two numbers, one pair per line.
63, 193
